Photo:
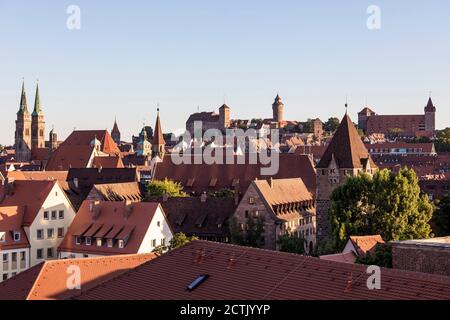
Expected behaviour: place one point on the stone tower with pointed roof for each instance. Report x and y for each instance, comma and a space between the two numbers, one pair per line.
278, 110
430, 116
115, 133
53, 139
159, 144
37, 124
23, 130
345, 156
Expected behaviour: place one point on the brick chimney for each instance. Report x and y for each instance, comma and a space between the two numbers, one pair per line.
128, 209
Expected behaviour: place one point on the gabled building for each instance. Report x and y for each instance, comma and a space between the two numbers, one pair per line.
42, 211
103, 228
345, 156
283, 205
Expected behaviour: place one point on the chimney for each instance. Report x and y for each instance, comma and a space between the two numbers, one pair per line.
94, 209
128, 209
203, 197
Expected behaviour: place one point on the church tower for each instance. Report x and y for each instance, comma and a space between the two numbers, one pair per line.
115, 133
224, 117
23, 130
430, 117
37, 124
277, 108
53, 140
345, 156
158, 146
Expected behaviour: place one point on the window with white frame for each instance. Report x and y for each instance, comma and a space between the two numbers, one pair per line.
39, 254
61, 214
54, 215
40, 234
50, 233
2, 236
50, 253
99, 242
5, 257
110, 243
121, 244
77, 240
16, 236
60, 232
46, 216
154, 243
88, 241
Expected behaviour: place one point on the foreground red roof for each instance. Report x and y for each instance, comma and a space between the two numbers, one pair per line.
242, 273
48, 280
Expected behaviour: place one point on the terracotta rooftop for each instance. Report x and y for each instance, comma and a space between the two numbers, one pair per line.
242, 273
203, 116
109, 220
366, 244
196, 218
48, 280
347, 148
68, 156
107, 162
198, 178
31, 194
283, 191
119, 191
85, 137
11, 219
38, 175
348, 257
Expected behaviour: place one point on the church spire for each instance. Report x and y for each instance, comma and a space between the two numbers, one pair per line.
158, 139
23, 100
37, 103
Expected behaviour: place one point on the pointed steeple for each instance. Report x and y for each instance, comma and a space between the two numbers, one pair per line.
158, 138
37, 103
430, 106
347, 148
115, 127
23, 101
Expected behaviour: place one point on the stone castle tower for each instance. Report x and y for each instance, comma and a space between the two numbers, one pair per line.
278, 109
224, 117
23, 130
159, 144
430, 116
345, 156
37, 124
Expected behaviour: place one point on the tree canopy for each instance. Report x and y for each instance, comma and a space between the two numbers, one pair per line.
179, 240
332, 124
292, 243
159, 188
251, 236
387, 204
441, 217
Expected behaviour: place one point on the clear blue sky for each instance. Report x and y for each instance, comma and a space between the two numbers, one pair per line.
130, 55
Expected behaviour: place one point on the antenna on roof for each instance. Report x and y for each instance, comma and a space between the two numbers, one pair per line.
346, 104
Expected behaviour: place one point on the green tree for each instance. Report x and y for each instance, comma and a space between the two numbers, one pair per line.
442, 142
382, 256
222, 193
387, 204
178, 240
292, 243
158, 188
332, 124
441, 217
251, 235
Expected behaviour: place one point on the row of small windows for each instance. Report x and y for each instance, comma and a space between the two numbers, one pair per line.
50, 233
121, 243
15, 236
13, 257
50, 253
54, 215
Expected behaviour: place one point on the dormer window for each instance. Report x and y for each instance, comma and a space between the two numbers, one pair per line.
88, 241
110, 243
2, 236
77, 240
16, 236
99, 242
121, 244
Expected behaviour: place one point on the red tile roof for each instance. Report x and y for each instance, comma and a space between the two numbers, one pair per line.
30, 194
283, 191
242, 273
66, 157
48, 280
348, 257
118, 191
107, 162
85, 137
410, 124
11, 219
60, 176
203, 177
366, 244
116, 220
347, 148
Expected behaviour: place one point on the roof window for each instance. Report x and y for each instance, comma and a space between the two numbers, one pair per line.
197, 282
